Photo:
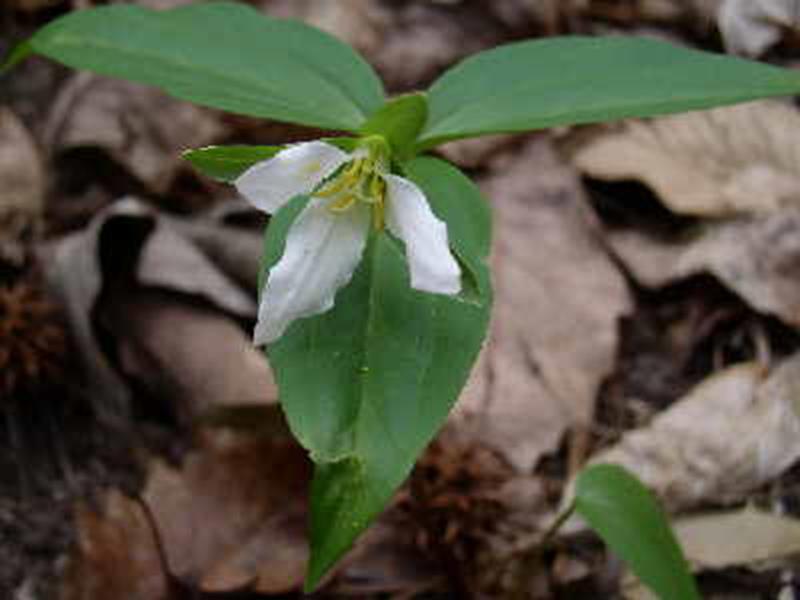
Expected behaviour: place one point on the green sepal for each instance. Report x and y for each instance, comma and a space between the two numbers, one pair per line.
399, 122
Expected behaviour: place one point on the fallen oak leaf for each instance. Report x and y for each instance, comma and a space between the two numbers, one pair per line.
551, 343
721, 162
737, 430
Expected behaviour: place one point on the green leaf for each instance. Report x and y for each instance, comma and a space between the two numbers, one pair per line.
559, 81
226, 163
366, 384
399, 121
221, 54
628, 518
17, 55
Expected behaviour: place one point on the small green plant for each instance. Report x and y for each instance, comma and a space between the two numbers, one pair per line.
375, 294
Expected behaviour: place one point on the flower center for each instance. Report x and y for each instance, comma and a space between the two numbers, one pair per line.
360, 180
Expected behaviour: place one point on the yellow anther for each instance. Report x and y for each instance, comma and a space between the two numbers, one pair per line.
344, 202
360, 181
332, 188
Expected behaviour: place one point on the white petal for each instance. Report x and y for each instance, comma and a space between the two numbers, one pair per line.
298, 169
410, 218
322, 251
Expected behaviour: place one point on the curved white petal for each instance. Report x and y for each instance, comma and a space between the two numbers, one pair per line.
298, 169
322, 251
410, 218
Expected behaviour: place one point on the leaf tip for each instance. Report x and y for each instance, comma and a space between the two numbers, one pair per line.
18, 53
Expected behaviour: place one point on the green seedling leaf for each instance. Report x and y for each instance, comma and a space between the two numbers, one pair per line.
366, 384
220, 54
399, 121
625, 514
226, 163
559, 81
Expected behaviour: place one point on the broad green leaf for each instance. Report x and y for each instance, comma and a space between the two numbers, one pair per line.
367, 384
17, 55
226, 163
221, 54
559, 81
628, 518
399, 121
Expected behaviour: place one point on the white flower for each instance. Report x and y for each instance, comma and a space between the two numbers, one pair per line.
349, 193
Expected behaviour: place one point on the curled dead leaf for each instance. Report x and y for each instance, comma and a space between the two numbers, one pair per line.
116, 554
234, 513
22, 190
142, 127
557, 300
727, 161
756, 257
737, 430
752, 26
129, 247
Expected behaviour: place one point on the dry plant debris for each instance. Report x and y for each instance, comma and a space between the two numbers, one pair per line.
33, 341
22, 190
554, 328
751, 27
229, 519
728, 161
733, 433
141, 127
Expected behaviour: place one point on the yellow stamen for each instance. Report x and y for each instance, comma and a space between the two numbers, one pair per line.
360, 181
344, 202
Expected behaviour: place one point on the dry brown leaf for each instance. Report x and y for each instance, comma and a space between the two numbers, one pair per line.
408, 43
557, 300
734, 432
360, 23
758, 258
32, 5
22, 189
752, 26
236, 251
234, 513
142, 127
115, 555
746, 537
231, 518
125, 245
192, 355
733, 160
472, 153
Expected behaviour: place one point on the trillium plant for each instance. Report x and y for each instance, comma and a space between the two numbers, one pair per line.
375, 295
350, 194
